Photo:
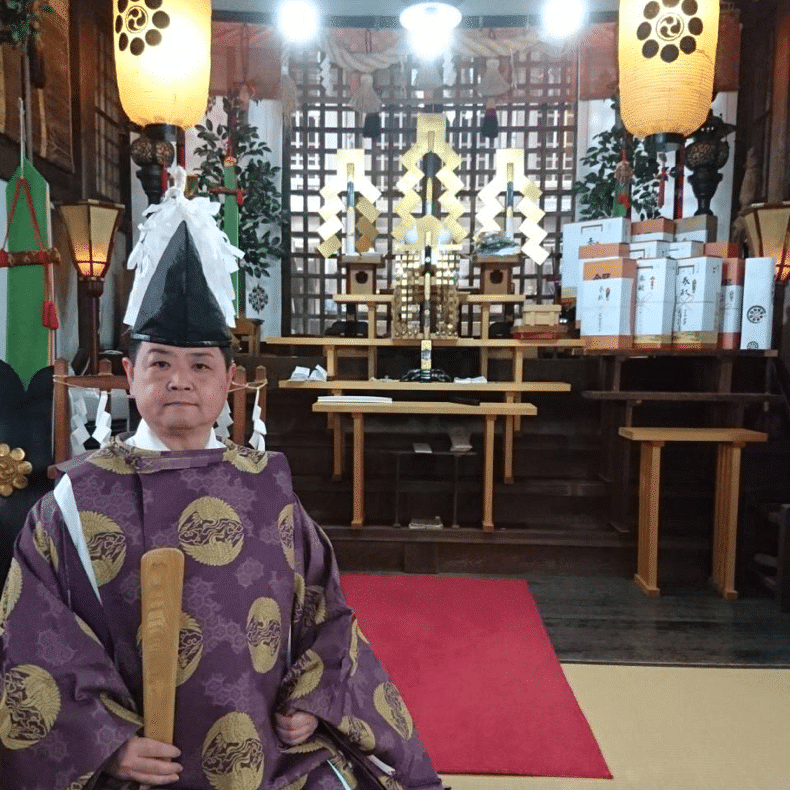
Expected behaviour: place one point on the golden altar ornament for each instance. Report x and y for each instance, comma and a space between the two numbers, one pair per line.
509, 178
14, 469
361, 196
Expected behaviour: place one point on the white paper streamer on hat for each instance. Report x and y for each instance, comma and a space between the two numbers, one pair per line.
223, 423
218, 256
258, 426
103, 430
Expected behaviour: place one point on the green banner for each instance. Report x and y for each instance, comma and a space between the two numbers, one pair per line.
27, 343
231, 222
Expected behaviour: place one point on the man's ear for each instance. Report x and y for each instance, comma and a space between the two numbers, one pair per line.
128, 367
231, 374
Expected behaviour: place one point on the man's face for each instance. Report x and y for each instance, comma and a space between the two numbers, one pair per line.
179, 391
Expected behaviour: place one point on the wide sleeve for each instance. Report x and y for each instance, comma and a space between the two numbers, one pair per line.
337, 676
64, 708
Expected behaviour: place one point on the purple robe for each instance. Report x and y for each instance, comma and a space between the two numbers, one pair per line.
264, 626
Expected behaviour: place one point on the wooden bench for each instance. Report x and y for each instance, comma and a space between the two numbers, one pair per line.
489, 412
725, 519
512, 392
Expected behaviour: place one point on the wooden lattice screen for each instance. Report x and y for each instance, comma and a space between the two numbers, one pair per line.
541, 118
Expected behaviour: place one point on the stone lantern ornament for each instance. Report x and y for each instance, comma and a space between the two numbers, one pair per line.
707, 153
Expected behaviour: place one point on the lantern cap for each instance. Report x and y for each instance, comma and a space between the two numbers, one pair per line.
182, 293
664, 141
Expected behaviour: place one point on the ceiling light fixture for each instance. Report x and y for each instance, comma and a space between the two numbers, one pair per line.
563, 18
298, 20
430, 27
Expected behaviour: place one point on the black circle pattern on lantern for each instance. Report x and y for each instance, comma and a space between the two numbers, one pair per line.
668, 29
137, 20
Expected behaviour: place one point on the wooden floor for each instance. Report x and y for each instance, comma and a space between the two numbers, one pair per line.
609, 620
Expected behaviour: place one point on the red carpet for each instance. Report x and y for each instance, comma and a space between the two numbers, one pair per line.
478, 672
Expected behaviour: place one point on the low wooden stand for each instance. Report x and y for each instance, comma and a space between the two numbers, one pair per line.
725, 519
489, 411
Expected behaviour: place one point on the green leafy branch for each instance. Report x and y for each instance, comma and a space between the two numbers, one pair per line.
596, 191
254, 174
20, 21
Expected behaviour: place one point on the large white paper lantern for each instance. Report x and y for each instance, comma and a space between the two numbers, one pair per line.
667, 56
163, 59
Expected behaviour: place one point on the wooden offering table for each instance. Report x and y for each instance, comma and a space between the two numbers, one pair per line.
489, 411
725, 519
511, 390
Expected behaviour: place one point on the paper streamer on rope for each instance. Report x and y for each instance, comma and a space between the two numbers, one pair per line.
223, 423
449, 72
350, 161
103, 430
79, 416
257, 440
509, 167
217, 255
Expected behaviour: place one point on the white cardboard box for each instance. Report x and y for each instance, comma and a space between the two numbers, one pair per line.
608, 306
648, 249
653, 324
696, 325
702, 228
698, 280
758, 304
577, 234
731, 309
685, 249
655, 280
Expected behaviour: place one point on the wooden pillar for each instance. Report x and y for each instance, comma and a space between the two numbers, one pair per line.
777, 154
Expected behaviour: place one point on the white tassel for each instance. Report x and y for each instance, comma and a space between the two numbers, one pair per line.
365, 99
428, 78
492, 84
218, 256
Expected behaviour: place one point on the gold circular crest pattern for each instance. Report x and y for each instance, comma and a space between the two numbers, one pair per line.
353, 648
299, 589
311, 671
190, 648
304, 748
11, 593
392, 709
86, 629
246, 460
110, 461
14, 469
29, 705
45, 545
232, 754
264, 633
79, 784
358, 732
314, 606
297, 784
106, 545
210, 531
120, 711
285, 526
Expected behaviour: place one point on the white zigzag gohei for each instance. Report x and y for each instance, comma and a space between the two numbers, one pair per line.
218, 256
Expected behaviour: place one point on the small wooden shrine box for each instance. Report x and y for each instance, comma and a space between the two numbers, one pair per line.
496, 273
361, 273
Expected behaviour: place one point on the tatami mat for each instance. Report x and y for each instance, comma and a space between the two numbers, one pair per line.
675, 728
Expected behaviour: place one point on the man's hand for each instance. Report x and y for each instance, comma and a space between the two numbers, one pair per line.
295, 728
146, 761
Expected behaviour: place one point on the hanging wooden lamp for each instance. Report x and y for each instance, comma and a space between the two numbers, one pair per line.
667, 55
163, 59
